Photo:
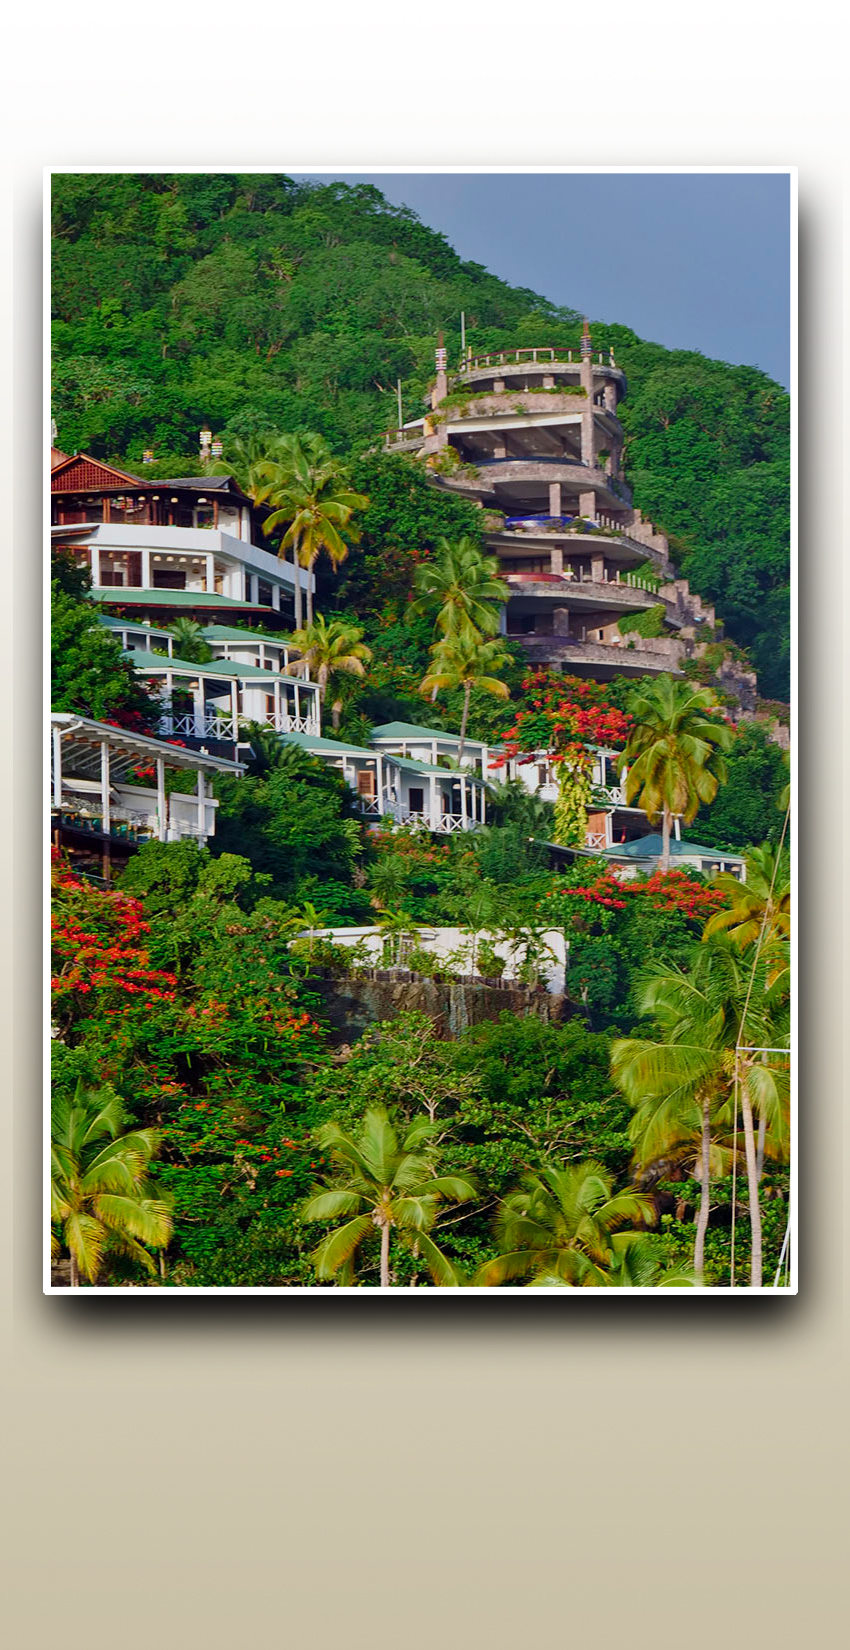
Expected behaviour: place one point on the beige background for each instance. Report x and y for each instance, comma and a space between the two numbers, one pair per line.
222, 1472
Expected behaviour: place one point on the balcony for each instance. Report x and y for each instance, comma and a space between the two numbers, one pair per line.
218, 725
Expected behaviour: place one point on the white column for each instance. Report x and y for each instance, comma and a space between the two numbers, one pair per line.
462, 802
200, 702
234, 708
432, 801
434, 752
210, 574
483, 806
160, 799
276, 691
95, 565
677, 827
276, 597
57, 767
297, 701
379, 773
201, 810
104, 787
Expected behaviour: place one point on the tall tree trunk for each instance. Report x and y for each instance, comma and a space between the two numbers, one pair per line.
761, 1144
75, 1276
310, 592
385, 1255
296, 568
705, 1192
752, 1189
467, 689
666, 818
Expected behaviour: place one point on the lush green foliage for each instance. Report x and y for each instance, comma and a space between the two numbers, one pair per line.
260, 305
88, 671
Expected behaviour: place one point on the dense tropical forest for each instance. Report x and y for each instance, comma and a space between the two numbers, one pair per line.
253, 303
211, 1125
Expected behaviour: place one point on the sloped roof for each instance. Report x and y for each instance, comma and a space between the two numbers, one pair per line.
651, 847
134, 596
225, 668
410, 730
81, 471
225, 633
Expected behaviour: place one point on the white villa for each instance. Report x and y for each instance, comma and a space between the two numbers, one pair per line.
193, 545
100, 805
400, 789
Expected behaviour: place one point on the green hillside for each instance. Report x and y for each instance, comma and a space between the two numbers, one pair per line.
251, 303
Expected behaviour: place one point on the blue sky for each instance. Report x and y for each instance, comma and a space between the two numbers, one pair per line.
693, 261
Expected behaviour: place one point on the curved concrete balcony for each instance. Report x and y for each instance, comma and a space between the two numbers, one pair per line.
537, 362
603, 660
520, 478
510, 404
602, 595
615, 544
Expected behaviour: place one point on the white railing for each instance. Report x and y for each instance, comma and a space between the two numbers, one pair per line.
595, 839
219, 726
613, 794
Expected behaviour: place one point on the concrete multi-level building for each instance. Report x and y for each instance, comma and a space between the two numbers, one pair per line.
532, 436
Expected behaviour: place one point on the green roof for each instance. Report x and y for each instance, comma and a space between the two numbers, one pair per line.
223, 633
427, 767
334, 747
131, 596
113, 623
650, 847
142, 660
409, 730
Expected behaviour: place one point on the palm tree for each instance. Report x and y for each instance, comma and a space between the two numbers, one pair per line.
635, 1263
384, 1186
672, 754
330, 648
460, 588
561, 1224
100, 1197
761, 904
244, 456
681, 1082
464, 659
189, 641
309, 495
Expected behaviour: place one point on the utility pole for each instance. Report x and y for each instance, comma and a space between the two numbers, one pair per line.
462, 333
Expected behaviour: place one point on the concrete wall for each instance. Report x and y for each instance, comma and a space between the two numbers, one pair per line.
444, 942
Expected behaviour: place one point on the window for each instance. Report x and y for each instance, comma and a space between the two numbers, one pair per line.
416, 799
167, 580
366, 783
264, 593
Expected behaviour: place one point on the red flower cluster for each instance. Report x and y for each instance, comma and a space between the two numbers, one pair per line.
566, 713
98, 946
664, 890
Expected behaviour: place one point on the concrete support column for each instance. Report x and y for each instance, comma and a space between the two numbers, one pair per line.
146, 570
588, 450
597, 568
548, 380
95, 565
57, 768
210, 574
161, 817
234, 709
556, 559
610, 394
432, 802
587, 505
554, 498
498, 386
561, 621
199, 705
463, 815
500, 449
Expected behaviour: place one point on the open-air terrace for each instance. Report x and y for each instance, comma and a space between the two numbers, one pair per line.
98, 791
192, 696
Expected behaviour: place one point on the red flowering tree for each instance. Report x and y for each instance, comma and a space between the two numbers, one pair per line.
565, 716
100, 961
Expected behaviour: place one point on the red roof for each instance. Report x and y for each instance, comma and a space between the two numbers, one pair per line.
80, 473
56, 457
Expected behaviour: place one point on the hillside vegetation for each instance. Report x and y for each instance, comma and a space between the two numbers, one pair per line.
252, 303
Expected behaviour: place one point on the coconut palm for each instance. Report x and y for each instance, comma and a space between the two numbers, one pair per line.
459, 588
762, 904
245, 454
635, 1263
387, 1187
330, 648
101, 1201
463, 659
189, 641
309, 495
673, 752
561, 1224
682, 1082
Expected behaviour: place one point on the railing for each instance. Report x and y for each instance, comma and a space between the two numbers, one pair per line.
614, 795
595, 839
395, 438
219, 726
507, 356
